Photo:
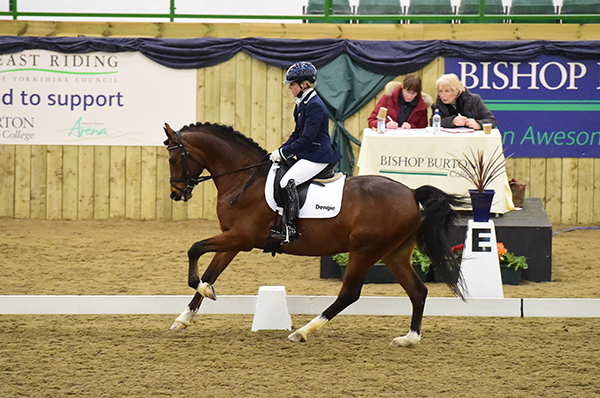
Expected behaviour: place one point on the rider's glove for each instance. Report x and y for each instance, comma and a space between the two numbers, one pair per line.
275, 156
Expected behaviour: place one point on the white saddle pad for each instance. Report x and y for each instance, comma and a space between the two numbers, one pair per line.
321, 201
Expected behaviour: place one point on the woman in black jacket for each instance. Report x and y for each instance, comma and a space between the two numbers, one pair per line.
458, 107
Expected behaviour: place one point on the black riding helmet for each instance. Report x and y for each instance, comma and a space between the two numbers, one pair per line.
301, 71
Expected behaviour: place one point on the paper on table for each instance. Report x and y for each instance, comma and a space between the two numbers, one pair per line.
455, 130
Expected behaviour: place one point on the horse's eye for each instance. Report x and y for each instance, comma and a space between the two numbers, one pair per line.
172, 162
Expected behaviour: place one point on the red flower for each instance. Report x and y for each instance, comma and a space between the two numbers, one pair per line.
458, 248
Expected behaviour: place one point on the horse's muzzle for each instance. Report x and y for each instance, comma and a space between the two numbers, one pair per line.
181, 195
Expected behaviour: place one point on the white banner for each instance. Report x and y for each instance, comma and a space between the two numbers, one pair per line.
49, 98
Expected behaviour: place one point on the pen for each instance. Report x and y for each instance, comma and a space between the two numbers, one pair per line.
390, 119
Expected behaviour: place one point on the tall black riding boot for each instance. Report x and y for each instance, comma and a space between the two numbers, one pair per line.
291, 212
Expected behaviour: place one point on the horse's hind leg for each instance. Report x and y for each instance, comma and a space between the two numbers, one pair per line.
399, 262
356, 271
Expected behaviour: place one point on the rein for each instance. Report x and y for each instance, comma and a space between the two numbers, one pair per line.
191, 182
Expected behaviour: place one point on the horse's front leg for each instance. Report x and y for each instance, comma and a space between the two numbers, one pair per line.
204, 287
226, 246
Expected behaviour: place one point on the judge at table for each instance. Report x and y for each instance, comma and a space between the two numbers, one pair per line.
405, 104
458, 106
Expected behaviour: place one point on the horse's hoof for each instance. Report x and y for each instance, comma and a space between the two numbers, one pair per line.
207, 290
410, 340
178, 326
297, 337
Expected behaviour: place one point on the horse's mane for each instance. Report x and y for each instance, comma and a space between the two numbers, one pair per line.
227, 133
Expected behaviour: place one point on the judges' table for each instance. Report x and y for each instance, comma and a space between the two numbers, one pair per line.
418, 157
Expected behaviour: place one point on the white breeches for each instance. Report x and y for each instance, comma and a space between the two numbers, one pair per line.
302, 171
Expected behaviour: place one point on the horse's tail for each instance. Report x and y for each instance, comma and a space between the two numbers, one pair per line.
434, 232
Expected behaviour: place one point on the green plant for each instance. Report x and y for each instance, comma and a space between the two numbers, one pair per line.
508, 260
341, 258
418, 257
480, 171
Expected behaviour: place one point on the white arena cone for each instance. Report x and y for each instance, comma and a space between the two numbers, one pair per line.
271, 309
480, 264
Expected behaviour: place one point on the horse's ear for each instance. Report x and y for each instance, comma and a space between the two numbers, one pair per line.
170, 133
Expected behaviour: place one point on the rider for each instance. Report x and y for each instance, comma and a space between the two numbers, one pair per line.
309, 143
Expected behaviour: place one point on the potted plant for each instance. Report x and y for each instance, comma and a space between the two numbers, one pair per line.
511, 265
481, 172
379, 273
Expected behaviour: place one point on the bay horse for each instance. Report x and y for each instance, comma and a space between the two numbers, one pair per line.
379, 219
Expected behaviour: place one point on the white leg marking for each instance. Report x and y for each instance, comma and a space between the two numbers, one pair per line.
206, 290
300, 335
184, 320
411, 339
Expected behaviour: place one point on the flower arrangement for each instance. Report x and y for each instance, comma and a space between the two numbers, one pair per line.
480, 171
418, 257
507, 260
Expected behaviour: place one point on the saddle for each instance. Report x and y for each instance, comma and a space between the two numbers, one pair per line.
326, 175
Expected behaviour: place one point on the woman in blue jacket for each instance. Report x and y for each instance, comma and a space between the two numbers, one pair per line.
310, 143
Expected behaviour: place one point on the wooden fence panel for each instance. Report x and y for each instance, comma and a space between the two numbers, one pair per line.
259, 94
585, 191
39, 186
101, 182
553, 203
86, 183
163, 191
54, 174
70, 194
22, 181
227, 99
569, 191
117, 182
7, 181
537, 184
243, 93
148, 185
273, 109
133, 182
196, 205
212, 113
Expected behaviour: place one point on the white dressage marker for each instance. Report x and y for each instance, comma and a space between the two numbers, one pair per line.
271, 309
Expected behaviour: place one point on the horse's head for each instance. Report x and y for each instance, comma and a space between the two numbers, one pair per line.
184, 169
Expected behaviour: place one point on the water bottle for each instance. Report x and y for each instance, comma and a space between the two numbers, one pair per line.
436, 122
381, 120
380, 125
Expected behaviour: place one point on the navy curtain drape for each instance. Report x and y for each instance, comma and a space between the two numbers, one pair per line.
392, 58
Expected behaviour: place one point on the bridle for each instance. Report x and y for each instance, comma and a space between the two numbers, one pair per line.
191, 182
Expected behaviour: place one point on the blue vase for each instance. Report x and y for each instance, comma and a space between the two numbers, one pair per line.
482, 204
